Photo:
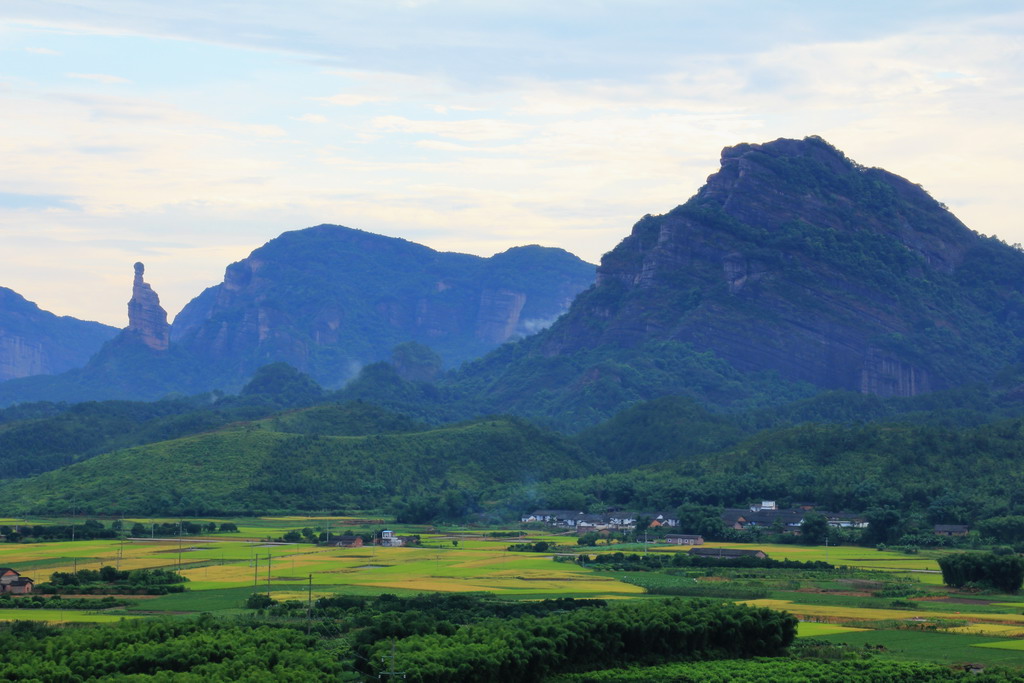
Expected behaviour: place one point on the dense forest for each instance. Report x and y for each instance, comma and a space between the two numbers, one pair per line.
434, 638
285, 444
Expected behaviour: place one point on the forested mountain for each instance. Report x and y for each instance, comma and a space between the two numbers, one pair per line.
803, 328
329, 298
37, 342
326, 300
791, 271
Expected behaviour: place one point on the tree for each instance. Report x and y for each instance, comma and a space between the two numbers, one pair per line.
885, 525
814, 529
1003, 572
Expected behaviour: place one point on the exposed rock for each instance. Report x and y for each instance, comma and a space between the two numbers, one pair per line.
146, 317
793, 258
330, 299
36, 342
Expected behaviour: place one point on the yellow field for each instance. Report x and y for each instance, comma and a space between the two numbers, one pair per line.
809, 629
1004, 630
228, 561
56, 616
449, 561
872, 614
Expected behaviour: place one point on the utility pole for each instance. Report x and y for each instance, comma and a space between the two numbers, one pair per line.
309, 606
268, 573
255, 571
179, 546
391, 671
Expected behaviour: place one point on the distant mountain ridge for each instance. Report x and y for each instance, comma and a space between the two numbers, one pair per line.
327, 300
37, 342
330, 294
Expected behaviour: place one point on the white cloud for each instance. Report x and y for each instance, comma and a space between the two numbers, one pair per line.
43, 51
465, 136
99, 78
351, 99
470, 130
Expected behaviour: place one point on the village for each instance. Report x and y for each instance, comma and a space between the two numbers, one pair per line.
765, 514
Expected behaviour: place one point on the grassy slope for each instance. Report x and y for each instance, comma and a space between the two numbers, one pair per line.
252, 467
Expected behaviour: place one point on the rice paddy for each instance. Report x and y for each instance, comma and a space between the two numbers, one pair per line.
225, 568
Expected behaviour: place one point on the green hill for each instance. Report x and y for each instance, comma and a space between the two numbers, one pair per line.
250, 468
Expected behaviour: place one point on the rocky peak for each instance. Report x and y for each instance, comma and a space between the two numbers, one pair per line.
146, 317
793, 258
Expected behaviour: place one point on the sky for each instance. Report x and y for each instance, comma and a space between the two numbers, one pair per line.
186, 134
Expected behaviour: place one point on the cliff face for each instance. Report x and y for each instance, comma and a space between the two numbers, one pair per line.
147, 319
329, 299
36, 342
793, 258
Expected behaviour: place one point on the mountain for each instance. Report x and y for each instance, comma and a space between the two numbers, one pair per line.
327, 300
37, 342
792, 262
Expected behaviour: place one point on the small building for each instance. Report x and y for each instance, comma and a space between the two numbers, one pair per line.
951, 529
389, 540
20, 586
684, 539
14, 583
727, 552
564, 517
349, 541
667, 518
585, 522
845, 520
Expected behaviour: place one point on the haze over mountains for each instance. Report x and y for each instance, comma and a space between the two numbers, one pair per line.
793, 270
327, 300
795, 294
37, 342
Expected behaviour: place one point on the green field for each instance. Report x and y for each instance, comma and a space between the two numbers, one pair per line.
931, 624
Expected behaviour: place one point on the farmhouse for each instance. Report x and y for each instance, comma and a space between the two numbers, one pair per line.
951, 529
684, 539
582, 521
389, 540
14, 583
727, 552
787, 521
845, 520
349, 541
562, 517
767, 515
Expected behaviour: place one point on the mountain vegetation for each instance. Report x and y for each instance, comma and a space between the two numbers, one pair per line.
793, 270
326, 300
329, 299
252, 467
37, 342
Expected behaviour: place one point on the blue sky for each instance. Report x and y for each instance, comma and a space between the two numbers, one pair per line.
186, 134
